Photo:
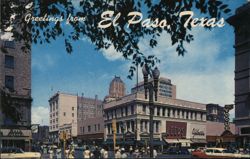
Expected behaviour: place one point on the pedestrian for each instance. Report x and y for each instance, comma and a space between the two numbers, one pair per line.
123, 153
71, 153
117, 153
105, 153
96, 153
154, 153
86, 153
136, 154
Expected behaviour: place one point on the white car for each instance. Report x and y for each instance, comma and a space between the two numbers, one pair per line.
13, 152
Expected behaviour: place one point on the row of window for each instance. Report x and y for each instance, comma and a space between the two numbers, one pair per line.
111, 114
176, 113
53, 121
54, 126
96, 128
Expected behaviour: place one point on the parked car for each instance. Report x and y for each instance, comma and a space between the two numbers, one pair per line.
13, 152
176, 151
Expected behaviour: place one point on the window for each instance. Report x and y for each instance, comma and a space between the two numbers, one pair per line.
95, 127
99, 127
64, 113
9, 61
72, 108
50, 108
122, 111
168, 112
144, 108
157, 126
89, 128
132, 109
126, 111
9, 82
163, 111
141, 126
158, 111
9, 44
83, 129
72, 114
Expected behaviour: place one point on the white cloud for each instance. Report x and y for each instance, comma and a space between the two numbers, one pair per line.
206, 72
40, 115
111, 54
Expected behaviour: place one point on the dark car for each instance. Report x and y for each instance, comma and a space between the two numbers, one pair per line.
184, 151
176, 151
171, 151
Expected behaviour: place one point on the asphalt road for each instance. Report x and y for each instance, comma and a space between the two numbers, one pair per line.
58, 156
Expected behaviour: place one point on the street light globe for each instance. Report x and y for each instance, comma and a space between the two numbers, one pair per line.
156, 73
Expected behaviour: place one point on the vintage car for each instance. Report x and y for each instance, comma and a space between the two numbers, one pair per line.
13, 152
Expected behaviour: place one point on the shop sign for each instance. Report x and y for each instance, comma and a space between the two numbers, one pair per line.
198, 132
15, 132
176, 130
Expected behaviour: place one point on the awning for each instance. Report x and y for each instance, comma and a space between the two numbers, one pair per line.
183, 142
178, 141
200, 141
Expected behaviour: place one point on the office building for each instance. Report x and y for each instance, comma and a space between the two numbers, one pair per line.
165, 88
240, 22
215, 113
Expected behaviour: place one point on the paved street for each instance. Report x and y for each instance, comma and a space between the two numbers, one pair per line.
46, 156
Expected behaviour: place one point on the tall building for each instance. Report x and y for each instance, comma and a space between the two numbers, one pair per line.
70, 112
240, 22
215, 113
63, 115
15, 83
165, 88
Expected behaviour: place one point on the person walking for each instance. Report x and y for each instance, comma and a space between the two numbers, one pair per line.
123, 153
154, 153
117, 153
86, 153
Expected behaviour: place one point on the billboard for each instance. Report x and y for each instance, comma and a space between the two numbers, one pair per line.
176, 130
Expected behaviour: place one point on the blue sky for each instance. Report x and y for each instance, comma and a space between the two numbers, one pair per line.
205, 74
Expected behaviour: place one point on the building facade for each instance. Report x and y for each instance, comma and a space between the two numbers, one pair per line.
175, 121
240, 22
63, 112
215, 113
40, 134
215, 136
90, 120
165, 88
15, 91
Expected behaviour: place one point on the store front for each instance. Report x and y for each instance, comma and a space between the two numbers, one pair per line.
176, 134
16, 138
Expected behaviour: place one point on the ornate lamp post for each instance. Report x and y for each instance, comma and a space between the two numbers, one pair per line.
152, 88
123, 136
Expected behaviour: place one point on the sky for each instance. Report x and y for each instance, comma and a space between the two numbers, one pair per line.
205, 74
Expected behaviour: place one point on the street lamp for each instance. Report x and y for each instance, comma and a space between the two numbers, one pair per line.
152, 88
123, 137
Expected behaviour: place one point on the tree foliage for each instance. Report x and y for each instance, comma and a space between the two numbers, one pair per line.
124, 39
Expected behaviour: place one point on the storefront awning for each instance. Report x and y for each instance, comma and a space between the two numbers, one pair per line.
200, 141
178, 141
